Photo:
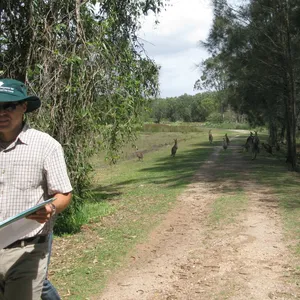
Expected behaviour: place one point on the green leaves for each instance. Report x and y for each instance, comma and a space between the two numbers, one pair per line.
87, 67
185, 108
255, 57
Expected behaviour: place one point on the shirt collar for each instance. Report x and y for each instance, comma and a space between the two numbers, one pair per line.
22, 138
23, 135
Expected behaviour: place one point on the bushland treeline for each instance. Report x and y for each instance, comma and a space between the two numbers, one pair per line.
202, 107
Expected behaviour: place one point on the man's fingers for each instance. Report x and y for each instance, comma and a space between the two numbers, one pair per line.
42, 215
41, 212
41, 218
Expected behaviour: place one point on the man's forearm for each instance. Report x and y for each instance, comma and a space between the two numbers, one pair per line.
62, 201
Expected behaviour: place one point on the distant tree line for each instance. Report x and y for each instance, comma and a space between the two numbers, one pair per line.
202, 107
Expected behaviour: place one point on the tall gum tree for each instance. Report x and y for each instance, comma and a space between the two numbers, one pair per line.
258, 43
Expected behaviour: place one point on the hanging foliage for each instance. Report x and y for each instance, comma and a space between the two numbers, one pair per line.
84, 59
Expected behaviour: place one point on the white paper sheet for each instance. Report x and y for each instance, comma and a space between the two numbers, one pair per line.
25, 213
14, 231
18, 226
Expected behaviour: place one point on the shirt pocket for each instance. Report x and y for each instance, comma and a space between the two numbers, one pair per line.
25, 175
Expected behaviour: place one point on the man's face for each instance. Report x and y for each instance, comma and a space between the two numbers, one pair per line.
11, 115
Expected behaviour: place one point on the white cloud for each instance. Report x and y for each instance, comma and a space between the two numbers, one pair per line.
179, 72
173, 43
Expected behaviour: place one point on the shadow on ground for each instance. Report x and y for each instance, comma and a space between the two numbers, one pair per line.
233, 164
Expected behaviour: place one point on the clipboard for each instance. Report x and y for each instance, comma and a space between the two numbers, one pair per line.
25, 213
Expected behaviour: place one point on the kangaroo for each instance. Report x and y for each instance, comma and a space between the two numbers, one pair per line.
139, 154
225, 144
174, 148
210, 137
227, 139
249, 141
255, 146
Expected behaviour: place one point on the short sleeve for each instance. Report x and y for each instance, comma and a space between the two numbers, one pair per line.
56, 172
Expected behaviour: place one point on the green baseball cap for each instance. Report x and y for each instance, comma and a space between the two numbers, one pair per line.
12, 90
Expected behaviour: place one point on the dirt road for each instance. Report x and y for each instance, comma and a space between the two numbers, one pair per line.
190, 258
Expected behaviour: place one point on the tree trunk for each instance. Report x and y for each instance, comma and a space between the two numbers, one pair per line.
290, 92
272, 133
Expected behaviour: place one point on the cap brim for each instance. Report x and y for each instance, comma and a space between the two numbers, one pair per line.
33, 102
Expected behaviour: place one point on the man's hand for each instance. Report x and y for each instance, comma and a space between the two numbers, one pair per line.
42, 215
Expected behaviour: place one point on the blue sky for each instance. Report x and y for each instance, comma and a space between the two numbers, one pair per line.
174, 44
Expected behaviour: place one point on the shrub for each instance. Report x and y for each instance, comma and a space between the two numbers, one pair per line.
215, 118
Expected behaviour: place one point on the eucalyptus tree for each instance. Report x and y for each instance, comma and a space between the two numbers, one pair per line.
273, 22
214, 78
84, 59
258, 44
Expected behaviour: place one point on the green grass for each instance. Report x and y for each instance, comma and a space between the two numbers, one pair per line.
154, 137
173, 127
94, 210
229, 125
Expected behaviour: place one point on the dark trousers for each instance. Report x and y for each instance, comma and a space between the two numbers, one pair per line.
49, 292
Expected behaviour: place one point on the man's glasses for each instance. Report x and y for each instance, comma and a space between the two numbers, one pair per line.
9, 107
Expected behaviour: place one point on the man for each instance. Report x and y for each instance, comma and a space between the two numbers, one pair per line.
32, 170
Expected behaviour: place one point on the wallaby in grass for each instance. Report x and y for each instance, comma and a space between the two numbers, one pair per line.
225, 144
227, 139
139, 154
174, 148
210, 137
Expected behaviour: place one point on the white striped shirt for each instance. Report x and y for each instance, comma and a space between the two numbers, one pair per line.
32, 169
